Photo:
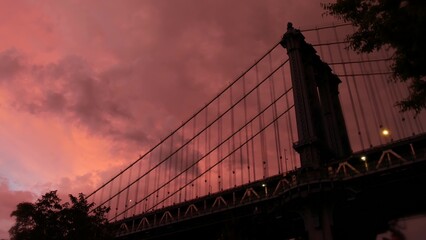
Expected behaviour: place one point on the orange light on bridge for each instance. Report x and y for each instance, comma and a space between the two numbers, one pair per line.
385, 132
364, 159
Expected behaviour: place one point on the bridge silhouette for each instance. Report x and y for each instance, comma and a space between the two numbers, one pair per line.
304, 144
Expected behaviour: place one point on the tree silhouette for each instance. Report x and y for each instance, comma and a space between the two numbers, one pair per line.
399, 24
48, 219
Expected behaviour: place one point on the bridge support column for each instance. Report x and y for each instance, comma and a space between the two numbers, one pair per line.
306, 102
321, 130
318, 218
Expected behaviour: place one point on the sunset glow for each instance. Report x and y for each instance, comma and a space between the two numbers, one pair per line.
87, 87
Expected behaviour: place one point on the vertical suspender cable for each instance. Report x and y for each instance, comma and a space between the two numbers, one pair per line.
101, 196
350, 93
351, 98
158, 175
208, 160
194, 141
197, 185
362, 109
370, 98
118, 197
166, 170
207, 149
170, 168
176, 167
289, 128
233, 162
148, 177
219, 140
274, 114
354, 111
253, 158
127, 193
230, 167
396, 92
241, 149
246, 129
110, 194
371, 94
380, 106
186, 163
137, 189
262, 134
182, 150
394, 97
386, 88
355, 83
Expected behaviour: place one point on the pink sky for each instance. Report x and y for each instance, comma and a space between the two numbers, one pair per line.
87, 86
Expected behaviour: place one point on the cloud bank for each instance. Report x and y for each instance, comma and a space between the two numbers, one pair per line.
87, 86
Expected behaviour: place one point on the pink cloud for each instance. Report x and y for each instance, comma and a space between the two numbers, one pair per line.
86, 87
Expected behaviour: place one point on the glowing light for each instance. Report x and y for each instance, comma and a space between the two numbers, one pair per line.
385, 132
263, 185
363, 158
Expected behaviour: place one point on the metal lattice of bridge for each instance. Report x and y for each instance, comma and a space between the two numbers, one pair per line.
247, 134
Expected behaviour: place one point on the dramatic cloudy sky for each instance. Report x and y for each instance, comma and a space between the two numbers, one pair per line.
86, 85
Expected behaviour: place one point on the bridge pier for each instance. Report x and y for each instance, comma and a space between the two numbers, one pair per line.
318, 221
327, 215
358, 223
322, 135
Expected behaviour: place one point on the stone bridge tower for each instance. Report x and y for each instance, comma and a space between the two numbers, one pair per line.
320, 124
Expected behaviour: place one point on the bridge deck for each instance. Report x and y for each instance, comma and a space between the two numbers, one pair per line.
385, 171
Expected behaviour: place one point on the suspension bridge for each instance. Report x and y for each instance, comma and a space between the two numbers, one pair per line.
304, 144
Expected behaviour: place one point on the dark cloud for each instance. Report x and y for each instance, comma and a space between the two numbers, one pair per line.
11, 64
54, 101
132, 71
169, 59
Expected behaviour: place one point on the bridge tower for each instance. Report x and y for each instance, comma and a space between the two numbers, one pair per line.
322, 135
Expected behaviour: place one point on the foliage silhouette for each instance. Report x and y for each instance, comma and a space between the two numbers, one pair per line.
48, 219
398, 24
